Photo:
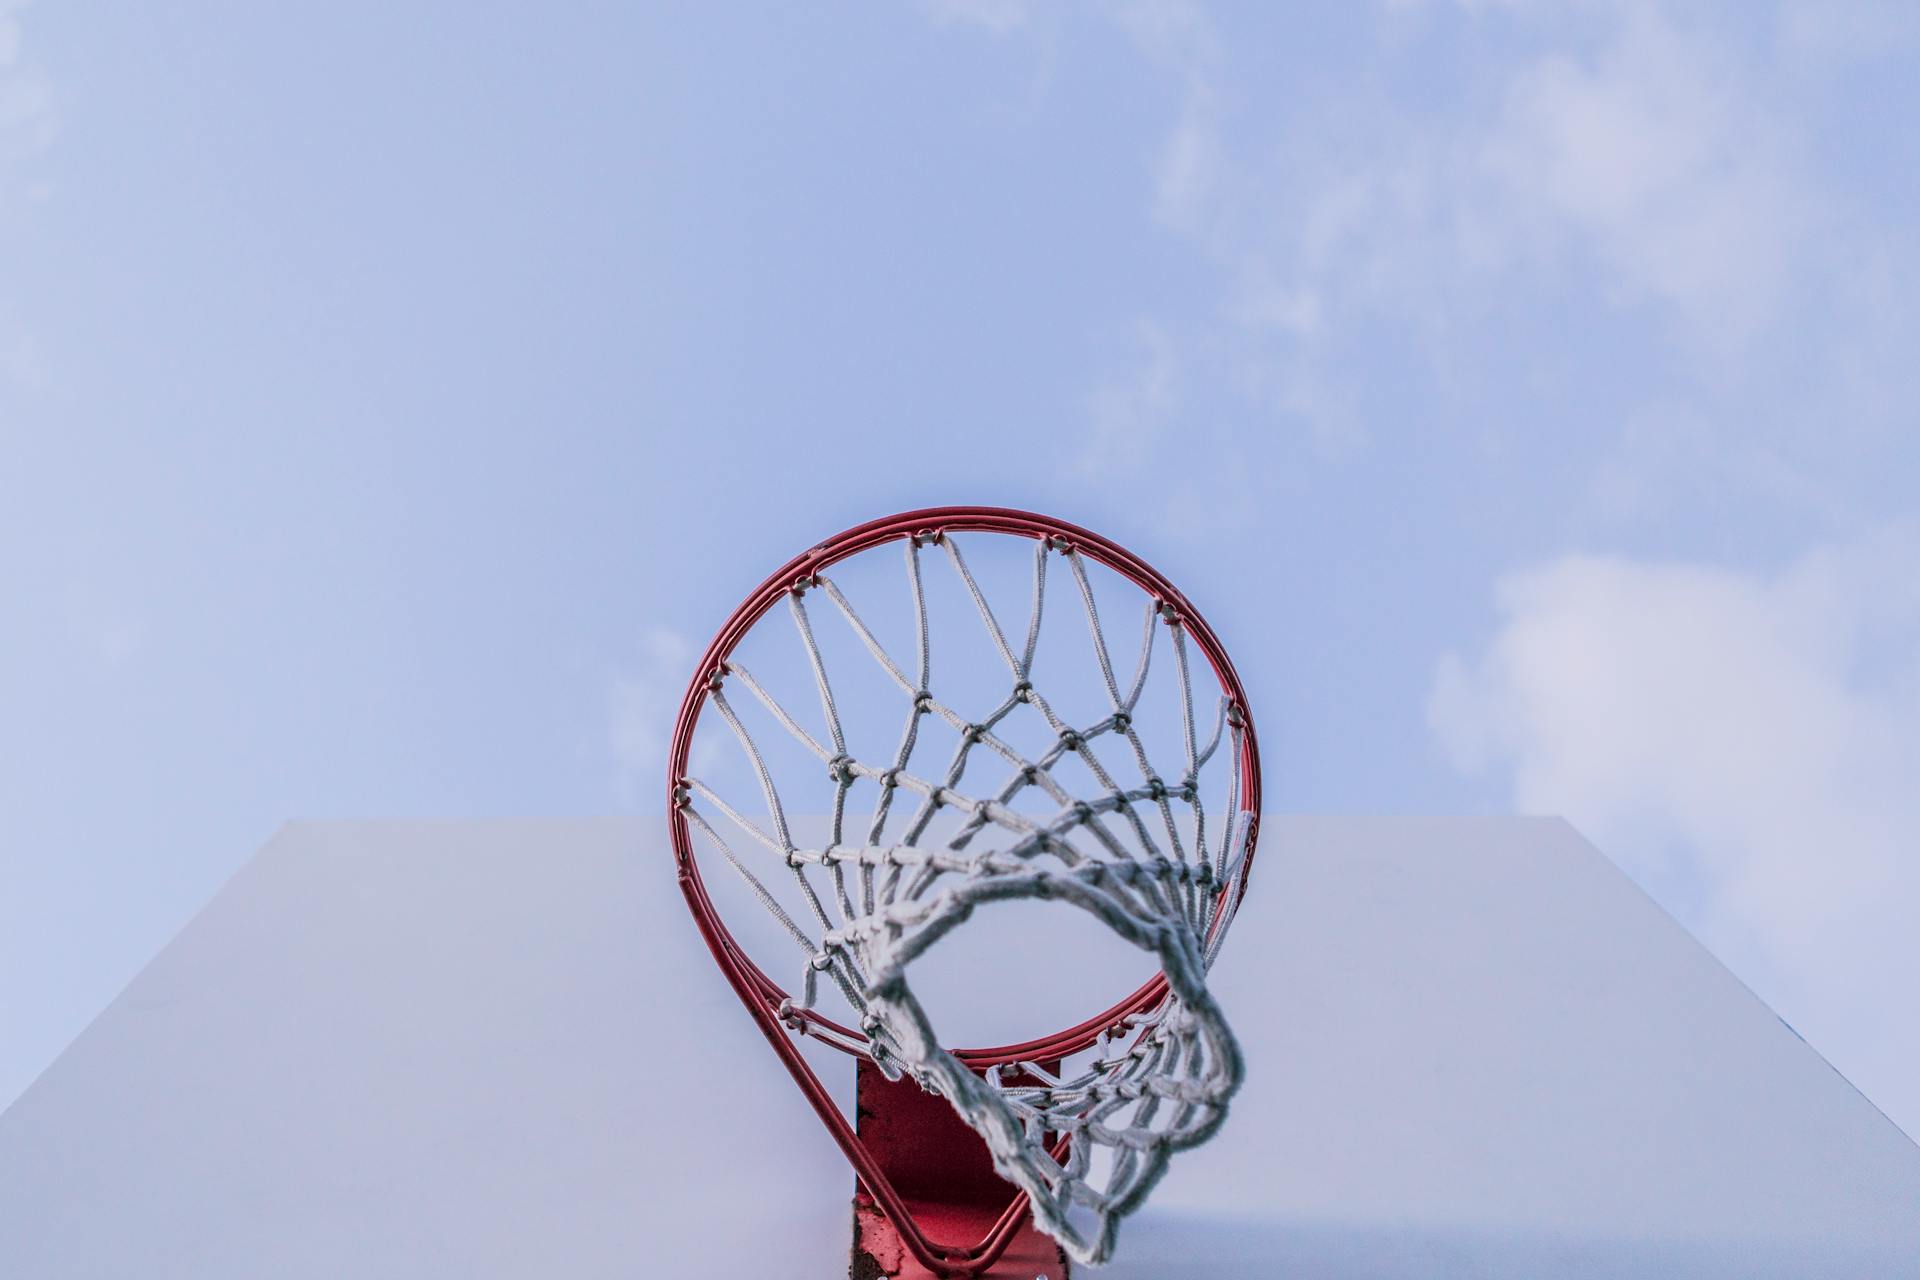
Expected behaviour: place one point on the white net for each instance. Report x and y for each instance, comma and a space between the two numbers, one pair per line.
1136, 850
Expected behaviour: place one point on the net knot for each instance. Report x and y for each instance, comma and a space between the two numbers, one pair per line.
1122, 722
1023, 692
1070, 739
923, 702
840, 769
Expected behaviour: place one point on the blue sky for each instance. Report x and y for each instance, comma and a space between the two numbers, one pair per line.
393, 398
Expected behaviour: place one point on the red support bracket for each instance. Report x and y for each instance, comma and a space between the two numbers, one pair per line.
942, 1172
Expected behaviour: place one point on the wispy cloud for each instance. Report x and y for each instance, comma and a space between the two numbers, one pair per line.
1481, 168
26, 127
1630, 151
1180, 37
641, 706
995, 15
1132, 408
26, 102
1852, 30
1746, 744
1662, 158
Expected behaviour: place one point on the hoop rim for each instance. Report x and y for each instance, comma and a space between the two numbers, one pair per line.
752, 982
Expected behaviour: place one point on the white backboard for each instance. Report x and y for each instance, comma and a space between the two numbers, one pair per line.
498, 1049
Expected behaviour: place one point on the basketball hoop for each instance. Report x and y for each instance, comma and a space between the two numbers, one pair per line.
1080, 1143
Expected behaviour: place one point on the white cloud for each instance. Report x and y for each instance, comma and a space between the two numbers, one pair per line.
642, 706
1663, 159
1207, 477
1131, 409
1471, 6
26, 127
1850, 30
1668, 457
1746, 744
26, 98
10, 31
1474, 209
1633, 168
1643, 158
1587, 170
994, 15
1181, 38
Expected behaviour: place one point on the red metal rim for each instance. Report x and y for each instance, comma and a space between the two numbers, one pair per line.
748, 978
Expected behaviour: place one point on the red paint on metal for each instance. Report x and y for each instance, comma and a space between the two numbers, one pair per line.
943, 1172
763, 997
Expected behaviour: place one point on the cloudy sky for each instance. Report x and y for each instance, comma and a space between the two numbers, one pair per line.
392, 398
